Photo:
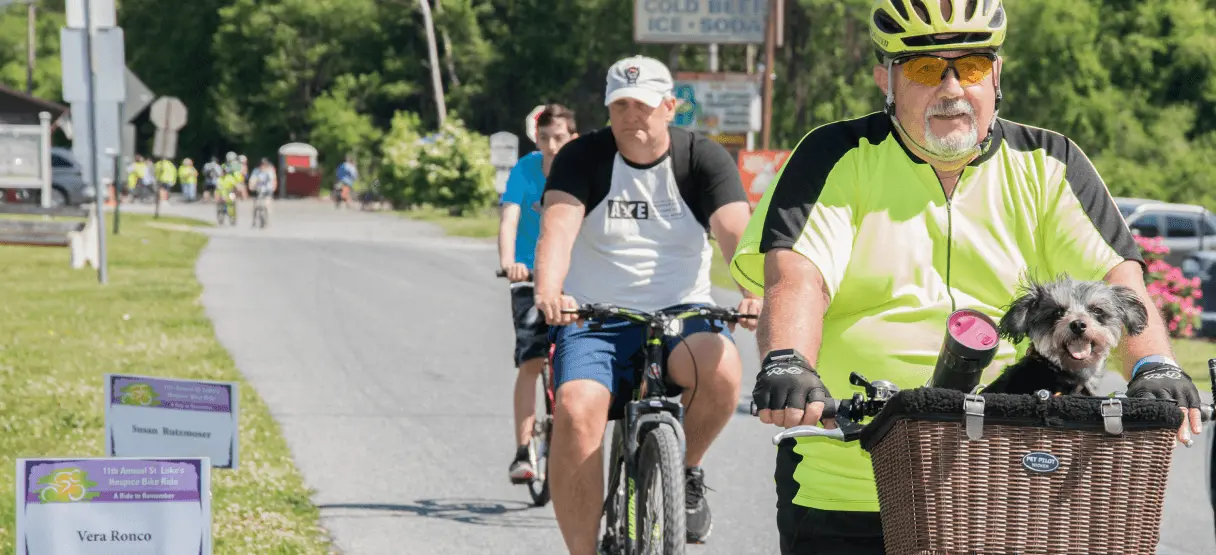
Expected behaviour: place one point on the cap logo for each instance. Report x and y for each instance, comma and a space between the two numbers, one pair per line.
631, 75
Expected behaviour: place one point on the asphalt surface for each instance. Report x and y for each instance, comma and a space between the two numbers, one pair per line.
384, 351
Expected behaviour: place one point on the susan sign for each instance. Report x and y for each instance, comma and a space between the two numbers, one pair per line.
161, 417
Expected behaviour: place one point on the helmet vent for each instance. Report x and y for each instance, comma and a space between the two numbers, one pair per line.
987, 5
960, 39
970, 11
901, 8
922, 11
886, 24
998, 18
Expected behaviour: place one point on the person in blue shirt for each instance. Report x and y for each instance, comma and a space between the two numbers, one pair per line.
517, 235
347, 174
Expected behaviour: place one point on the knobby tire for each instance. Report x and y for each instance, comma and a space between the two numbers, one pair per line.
659, 458
538, 448
616, 504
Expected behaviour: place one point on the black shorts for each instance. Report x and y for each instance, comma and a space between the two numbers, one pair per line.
531, 331
807, 531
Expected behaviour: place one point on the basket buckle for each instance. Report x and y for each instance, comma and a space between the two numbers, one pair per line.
1112, 416
973, 408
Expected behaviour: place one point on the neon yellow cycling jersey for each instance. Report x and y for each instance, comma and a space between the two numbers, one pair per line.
898, 257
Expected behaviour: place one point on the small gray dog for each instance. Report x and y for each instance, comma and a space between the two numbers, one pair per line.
1072, 325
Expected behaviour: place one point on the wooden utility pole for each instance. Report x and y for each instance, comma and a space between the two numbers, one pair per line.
770, 44
436, 79
29, 50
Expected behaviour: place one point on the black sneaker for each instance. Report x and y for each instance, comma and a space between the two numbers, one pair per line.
521, 470
698, 521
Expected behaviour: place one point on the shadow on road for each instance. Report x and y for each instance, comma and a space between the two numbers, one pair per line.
513, 514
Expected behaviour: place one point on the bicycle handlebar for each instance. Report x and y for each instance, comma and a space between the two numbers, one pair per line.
848, 413
503, 273
600, 311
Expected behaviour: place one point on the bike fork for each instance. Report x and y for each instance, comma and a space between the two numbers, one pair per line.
620, 535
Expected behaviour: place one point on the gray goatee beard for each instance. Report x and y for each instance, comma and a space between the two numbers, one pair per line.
957, 143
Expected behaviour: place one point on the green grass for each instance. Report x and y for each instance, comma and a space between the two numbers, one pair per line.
479, 225
62, 331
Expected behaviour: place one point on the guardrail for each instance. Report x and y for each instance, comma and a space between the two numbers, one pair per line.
79, 236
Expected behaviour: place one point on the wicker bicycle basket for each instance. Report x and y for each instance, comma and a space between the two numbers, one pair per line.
996, 473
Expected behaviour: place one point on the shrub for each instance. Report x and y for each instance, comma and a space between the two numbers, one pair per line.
449, 169
1174, 294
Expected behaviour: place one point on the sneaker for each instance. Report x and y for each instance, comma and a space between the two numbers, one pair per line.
698, 520
521, 470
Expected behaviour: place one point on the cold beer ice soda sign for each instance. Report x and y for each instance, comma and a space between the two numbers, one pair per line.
160, 417
114, 506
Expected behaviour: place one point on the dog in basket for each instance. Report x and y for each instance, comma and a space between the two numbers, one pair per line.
1072, 326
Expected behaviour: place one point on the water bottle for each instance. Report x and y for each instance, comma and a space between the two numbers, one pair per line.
971, 344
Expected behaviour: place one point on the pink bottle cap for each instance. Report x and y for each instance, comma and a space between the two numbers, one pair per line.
973, 330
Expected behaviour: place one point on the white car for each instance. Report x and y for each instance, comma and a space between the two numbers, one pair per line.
1185, 228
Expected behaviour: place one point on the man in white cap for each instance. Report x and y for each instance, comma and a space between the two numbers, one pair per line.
626, 214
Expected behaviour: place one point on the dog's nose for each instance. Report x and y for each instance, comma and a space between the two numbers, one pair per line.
1077, 327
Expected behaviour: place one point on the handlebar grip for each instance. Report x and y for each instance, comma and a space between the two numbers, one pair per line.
500, 273
830, 407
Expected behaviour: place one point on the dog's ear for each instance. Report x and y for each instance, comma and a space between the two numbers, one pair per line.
1015, 324
1131, 309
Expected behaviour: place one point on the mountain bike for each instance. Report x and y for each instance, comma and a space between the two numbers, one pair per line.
542, 426
225, 207
261, 212
644, 509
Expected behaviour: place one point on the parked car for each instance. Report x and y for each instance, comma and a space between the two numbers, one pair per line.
1185, 228
1202, 264
67, 183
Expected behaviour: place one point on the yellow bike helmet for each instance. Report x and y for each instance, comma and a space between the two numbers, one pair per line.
901, 27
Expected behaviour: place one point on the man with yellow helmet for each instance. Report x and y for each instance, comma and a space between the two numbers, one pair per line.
879, 227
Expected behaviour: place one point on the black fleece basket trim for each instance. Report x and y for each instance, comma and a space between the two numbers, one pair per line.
1063, 412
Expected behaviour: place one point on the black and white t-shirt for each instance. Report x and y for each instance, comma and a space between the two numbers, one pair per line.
643, 243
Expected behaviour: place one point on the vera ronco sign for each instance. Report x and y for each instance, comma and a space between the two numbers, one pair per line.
113, 506
162, 417
700, 21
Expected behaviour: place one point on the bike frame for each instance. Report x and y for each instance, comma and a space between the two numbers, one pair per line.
647, 409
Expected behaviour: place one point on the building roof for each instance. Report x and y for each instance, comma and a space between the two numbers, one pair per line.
18, 107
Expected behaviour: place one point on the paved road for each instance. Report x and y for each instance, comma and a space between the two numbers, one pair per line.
384, 351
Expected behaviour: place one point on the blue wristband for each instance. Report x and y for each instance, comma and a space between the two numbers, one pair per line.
1151, 358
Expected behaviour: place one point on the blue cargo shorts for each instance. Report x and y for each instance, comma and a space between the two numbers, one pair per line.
611, 354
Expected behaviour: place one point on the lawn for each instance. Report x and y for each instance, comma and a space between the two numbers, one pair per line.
63, 331
480, 225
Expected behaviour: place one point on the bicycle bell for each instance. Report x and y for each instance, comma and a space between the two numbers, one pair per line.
971, 344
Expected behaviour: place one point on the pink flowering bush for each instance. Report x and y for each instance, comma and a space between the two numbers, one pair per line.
1174, 294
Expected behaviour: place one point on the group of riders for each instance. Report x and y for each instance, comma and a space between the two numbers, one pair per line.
875, 230
230, 180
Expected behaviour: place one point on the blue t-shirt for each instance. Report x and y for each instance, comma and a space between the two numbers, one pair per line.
525, 186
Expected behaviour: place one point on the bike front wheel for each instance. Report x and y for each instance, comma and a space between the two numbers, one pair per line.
660, 502
538, 448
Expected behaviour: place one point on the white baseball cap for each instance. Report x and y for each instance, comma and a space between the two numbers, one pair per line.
639, 77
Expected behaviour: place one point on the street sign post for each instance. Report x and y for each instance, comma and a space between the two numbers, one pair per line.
92, 40
169, 115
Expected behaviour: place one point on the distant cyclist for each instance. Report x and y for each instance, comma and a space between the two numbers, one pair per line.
347, 174
627, 215
878, 228
517, 235
263, 182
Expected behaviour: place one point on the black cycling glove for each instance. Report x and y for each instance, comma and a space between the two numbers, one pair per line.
1161, 380
787, 380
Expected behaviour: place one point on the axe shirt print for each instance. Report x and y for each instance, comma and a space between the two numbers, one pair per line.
643, 243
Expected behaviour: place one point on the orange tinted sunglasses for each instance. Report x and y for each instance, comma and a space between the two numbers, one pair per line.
930, 70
